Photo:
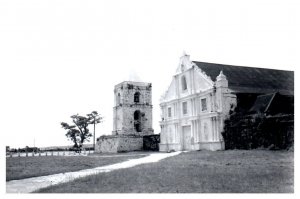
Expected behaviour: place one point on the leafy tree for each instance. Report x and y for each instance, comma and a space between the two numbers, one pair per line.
79, 132
73, 133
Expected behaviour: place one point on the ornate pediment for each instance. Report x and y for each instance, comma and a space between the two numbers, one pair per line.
195, 77
184, 63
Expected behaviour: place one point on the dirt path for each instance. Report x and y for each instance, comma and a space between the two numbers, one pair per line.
31, 184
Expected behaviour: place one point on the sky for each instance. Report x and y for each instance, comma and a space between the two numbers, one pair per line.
60, 58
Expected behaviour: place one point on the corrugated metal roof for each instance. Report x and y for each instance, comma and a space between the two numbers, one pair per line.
262, 103
251, 80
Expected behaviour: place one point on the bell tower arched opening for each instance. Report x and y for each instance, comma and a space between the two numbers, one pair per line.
137, 121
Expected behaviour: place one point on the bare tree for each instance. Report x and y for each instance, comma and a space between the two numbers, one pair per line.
95, 118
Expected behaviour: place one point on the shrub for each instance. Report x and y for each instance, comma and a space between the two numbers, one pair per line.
259, 131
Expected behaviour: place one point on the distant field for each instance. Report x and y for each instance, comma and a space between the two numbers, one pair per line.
26, 167
233, 171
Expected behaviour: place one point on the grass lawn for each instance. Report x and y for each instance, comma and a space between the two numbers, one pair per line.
233, 171
26, 167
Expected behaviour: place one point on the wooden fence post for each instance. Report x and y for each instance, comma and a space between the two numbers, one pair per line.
52, 153
19, 154
26, 154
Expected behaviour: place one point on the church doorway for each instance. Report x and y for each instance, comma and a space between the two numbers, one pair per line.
137, 121
186, 137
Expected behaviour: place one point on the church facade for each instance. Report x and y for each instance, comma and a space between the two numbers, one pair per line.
201, 96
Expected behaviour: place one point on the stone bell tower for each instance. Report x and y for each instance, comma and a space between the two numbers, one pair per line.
132, 118
132, 109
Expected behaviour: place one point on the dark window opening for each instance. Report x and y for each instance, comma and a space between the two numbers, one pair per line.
203, 104
138, 127
137, 97
137, 121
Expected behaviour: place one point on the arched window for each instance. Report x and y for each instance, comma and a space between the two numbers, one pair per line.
118, 98
137, 97
137, 120
183, 83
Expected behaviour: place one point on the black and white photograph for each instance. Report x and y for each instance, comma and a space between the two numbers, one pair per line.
135, 97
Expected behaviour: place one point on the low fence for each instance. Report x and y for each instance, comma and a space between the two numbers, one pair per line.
48, 153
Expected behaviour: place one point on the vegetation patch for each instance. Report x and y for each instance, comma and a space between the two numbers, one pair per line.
267, 122
259, 131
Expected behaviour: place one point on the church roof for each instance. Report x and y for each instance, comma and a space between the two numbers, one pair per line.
251, 80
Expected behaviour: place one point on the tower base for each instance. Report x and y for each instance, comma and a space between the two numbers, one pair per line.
119, 143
